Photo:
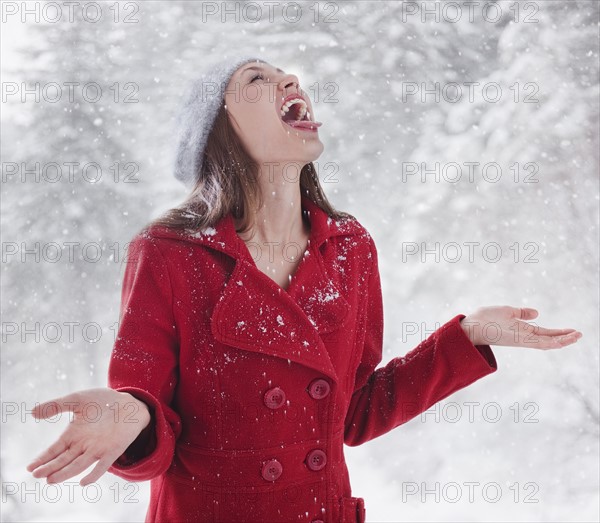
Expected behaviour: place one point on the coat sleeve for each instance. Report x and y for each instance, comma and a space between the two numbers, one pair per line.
144, 359
440, 365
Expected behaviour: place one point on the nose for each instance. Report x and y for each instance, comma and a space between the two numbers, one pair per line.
289, 80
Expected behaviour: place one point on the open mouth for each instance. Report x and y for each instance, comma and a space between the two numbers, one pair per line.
294, 113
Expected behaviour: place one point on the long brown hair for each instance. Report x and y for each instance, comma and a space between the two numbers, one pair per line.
228, 182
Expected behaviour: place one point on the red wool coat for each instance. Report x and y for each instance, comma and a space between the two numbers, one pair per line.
253, 389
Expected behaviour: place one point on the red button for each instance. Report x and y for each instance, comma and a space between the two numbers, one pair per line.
271, 470
274, 398
316, 459
319, 389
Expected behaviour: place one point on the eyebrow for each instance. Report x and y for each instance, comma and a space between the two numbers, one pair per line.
259, 69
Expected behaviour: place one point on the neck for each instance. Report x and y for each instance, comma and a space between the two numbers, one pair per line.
280, 220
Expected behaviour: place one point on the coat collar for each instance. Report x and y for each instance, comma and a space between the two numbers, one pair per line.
254, 313
224, 238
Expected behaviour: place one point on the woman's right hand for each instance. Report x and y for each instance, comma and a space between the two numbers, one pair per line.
105, 423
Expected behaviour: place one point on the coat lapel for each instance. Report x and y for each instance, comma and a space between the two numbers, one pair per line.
255, 316
254, 313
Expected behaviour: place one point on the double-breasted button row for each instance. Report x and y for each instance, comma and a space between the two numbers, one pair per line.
315, 460
275, 397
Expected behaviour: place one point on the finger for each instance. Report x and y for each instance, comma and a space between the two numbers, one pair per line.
79, 464
52, 408
556, 342
101, 467
58, 463
552, 332
563, 341
524, 313
50, 453
536, 329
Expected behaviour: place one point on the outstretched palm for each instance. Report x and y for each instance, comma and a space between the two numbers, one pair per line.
105, 422
505, 325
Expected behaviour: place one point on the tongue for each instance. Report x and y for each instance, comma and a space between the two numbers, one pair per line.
304, 124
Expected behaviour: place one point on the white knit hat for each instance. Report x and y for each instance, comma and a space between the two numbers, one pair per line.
197, 116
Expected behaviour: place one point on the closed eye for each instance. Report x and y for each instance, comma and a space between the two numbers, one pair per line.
257, 77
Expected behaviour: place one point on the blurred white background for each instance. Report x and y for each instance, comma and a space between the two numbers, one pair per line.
528, 126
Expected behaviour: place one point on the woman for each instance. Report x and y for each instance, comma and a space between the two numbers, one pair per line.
237, 377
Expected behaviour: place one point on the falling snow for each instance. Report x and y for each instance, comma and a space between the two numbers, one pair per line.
549, 135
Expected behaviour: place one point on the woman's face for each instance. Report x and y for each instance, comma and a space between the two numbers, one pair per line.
254, 98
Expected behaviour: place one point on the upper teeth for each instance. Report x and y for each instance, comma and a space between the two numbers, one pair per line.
289, 103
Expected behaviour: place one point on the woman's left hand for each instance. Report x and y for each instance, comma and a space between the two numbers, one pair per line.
504, 325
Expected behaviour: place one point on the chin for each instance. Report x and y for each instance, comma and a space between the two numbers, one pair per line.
306, 159
314, 149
